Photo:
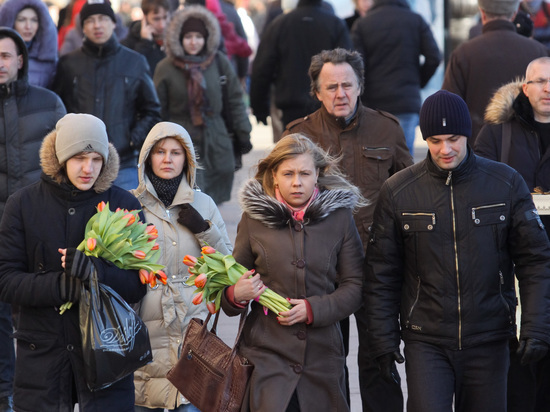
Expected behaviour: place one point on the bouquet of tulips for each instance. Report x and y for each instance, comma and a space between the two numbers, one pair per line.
213, 271
120, 237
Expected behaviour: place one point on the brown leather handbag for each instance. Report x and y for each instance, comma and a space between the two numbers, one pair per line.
210, 374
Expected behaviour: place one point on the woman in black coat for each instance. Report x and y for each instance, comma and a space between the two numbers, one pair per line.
40, 268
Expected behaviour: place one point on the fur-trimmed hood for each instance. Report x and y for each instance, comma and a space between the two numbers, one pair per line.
44, 45
174, 48
273, 214
52, 168
160, 131
501, 106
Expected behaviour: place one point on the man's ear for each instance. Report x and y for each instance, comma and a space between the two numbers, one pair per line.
20, 62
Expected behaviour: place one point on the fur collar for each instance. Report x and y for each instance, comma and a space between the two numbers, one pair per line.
273, 214
52, 168
173, 45
501, 107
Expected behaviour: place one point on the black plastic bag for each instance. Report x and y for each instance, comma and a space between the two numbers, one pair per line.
115, 341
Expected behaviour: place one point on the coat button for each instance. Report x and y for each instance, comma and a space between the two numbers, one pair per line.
71, 211
298, 226
70, 347
32, 346
301, 263
297, 368
41, 267
302, 335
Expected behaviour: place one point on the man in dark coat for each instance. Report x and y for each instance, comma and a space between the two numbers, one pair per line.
146, 36
449, 234
41, 269
284, 54
373, 148
517, 132
392, 40
478, 67
27, 114
111, 82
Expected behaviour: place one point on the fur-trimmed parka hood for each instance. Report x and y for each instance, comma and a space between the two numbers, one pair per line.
160, 131
52, 168
501, 106
273, 214
174, 47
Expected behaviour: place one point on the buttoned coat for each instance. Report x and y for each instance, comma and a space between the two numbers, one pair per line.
299, 260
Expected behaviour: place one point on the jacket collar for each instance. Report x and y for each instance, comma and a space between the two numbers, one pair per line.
338, 123
107, 49
16, 88
460, 173
274, 214
498, 24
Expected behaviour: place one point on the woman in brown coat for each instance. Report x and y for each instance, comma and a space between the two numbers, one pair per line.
298, 236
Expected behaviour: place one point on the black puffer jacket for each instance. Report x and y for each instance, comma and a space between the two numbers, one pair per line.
391, 38
27, 114
455, 287
113, 83
39, 219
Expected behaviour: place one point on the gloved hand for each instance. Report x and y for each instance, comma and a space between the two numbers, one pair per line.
245, 148
261, 118
388, 370
531, 350
78, 265
191, 219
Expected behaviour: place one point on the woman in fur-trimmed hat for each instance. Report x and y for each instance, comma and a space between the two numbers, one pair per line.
40, 268
188, 83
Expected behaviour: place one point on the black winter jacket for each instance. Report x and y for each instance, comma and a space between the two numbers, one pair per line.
113, 83
442, 258
39, 219
27, 114
150, 49
391, 38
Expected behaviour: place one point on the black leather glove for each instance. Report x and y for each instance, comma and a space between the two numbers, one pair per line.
191, 219
245, 148
388, 370
261, 118
531, 350
69, 288
78, 265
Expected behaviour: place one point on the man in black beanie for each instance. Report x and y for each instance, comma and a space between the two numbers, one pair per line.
448, 235
110, 81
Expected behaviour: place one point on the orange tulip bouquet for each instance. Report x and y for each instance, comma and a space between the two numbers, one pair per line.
213, 271
120, 237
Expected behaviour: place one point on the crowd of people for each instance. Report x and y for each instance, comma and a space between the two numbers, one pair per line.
151, 114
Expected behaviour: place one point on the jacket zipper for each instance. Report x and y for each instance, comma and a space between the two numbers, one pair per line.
420, 214
415, 301
501, 283
459, 302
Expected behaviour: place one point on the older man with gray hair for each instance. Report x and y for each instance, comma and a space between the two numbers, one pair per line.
478, 67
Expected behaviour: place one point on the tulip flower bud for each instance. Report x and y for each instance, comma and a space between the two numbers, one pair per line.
161, 276
208, 250
155, 247
197, 300
200, 280
139, 254
131, 218
189, 260
144, 276
101, 206
211, 306
91, 243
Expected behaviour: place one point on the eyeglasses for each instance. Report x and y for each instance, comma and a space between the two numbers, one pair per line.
539, 82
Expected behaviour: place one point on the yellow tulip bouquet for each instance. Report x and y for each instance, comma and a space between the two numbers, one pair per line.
212, 272
120, 237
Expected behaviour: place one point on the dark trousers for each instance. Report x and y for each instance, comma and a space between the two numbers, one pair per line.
377, 395
476, 377
7, 353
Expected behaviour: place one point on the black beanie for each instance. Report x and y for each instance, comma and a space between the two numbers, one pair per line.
193, 24
445, 113
92, 7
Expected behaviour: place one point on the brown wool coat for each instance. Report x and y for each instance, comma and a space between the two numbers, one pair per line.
299, 261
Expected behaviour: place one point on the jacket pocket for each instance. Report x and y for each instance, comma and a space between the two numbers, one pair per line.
418, 221
375, 165
491, 214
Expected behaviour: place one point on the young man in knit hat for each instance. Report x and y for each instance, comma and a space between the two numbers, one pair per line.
40, 268
111, 82
478, 67
448, 235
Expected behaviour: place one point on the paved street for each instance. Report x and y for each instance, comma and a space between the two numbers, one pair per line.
227, 327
